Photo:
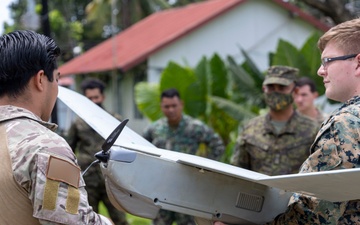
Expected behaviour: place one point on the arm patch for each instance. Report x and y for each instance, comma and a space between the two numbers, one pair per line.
63, 171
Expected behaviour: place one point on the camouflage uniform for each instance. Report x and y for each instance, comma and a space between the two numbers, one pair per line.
319, 118
191, 136
336, 146
88, 142
33, 147
260, 149
187, 137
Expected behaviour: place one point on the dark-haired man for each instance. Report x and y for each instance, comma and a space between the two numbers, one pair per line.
41, 182
85, 141
304, 98
179, 132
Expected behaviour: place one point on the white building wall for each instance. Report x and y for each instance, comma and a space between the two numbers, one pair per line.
256, 26
128, 105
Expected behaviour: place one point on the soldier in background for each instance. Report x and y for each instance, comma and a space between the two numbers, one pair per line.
85, 141
41, 182
278, 142
181, 133
304, 98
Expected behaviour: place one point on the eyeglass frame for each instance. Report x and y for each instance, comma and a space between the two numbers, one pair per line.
327, 60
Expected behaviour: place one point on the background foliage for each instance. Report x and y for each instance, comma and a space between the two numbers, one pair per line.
223, 93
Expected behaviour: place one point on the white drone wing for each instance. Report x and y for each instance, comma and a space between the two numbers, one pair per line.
141, 179
100, 120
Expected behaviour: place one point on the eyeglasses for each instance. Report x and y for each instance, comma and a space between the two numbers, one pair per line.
325, 61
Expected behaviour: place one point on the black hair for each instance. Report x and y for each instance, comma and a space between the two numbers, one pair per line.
170, 93
303, 81
23, 53
92, 83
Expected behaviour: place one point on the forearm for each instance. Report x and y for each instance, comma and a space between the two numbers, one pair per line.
303, 209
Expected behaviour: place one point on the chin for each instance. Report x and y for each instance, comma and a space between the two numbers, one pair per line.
332, 97
328, 93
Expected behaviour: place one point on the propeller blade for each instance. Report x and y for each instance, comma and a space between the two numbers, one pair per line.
113, 136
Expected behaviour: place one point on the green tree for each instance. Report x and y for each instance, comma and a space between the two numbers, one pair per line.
85, 23
306, 59
114, 16
330, 11
66, 21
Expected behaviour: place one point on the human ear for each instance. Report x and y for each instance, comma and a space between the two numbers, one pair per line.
296, 90
39, 80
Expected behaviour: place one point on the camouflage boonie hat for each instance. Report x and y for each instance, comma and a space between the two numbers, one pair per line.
283, 75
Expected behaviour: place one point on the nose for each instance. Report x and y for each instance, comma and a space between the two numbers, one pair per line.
321, 71
171, 109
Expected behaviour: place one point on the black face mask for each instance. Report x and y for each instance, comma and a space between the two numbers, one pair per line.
99, 104
278, 101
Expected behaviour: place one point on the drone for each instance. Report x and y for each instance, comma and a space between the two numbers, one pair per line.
141, 179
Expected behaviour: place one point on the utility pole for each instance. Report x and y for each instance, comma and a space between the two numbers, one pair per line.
45, 26
45, 23
114, 75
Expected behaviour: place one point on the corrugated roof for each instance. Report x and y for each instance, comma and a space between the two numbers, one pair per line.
133, 45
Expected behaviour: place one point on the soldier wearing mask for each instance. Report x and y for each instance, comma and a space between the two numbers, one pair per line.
279, 141
85, 142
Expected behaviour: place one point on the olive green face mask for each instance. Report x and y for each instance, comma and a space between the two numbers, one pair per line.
278, 101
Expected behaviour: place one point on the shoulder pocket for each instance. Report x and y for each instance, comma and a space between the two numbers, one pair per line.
61, 170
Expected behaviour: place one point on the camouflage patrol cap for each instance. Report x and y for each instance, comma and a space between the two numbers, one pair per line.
283, 75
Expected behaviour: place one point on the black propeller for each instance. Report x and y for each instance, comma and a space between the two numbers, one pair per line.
113, 136
103, 156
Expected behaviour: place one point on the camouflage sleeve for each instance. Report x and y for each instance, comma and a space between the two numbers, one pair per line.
304, 209
336, 147
72, 137
56, 195
240, 157
147, 134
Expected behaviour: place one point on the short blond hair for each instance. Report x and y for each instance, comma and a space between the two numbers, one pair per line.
346, 35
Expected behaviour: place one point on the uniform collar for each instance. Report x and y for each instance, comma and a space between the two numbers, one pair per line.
287, 129
10, 112
351, 101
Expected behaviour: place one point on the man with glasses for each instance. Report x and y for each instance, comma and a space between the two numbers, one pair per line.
337, 144
278, 142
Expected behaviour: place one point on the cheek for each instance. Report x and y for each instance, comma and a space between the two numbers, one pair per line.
297, 98
308, 101
97, 100
165, 111
338, 74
